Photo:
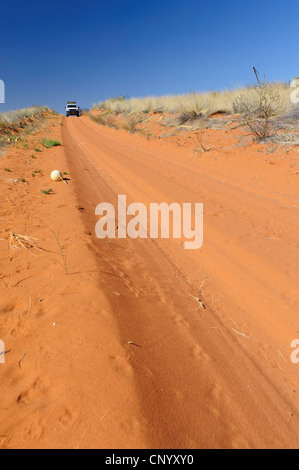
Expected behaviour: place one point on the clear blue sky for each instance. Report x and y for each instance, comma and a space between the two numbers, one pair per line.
90, 50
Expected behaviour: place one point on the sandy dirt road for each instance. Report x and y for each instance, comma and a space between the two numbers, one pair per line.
214, 373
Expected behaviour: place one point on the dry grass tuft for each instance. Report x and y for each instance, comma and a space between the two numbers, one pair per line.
130, 124
17, 241
105, 119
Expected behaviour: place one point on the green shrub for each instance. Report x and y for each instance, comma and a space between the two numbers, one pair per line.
48, 143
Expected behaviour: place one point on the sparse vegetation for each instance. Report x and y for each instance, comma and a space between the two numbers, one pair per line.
189, 116
199, 136
130, 124
105, 119
47, 191
264, 109
197, 104
18, 241
48, 143
62, 254
10, 118
15, 124
263, 105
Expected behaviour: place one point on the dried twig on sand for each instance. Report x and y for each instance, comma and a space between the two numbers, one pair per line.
19, 361
29, 307
17, 241
134, 344
241, 334
198, 300
214, 328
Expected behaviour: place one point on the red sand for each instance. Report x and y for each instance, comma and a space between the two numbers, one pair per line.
118, 354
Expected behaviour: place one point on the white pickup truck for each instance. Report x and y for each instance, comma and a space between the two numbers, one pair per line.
72, 109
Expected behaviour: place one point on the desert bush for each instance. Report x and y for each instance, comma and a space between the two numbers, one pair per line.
105, 119
110, 121
258, 109
97, 118
189, 116
130, 124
